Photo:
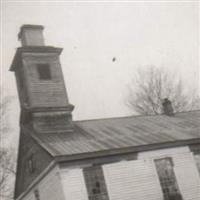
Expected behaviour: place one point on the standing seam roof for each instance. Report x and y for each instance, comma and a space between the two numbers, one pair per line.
115, 133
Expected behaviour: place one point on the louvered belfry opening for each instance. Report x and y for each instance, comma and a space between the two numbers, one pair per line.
41, 88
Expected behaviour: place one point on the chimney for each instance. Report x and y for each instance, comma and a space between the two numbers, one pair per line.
167, 107
31, 35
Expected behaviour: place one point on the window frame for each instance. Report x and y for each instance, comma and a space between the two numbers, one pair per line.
166, 182
197, 161
95, 183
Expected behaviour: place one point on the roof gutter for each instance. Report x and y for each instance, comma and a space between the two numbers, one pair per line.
120, 151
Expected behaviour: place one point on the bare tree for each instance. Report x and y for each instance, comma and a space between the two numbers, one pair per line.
4, 103
7, 156
150, 87
7, 171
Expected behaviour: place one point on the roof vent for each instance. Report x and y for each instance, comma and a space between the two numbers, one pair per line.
31, 35
167, 107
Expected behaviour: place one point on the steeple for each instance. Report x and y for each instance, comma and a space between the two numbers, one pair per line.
43, 97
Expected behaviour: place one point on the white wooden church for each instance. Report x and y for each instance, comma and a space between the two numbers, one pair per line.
130, 158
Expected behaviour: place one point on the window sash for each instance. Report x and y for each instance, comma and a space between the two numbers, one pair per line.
95, 183
167, 178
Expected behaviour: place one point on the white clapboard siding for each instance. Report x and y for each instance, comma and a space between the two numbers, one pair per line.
49, 188
185, 169
132, 180
73, 184
30, 196
187, 176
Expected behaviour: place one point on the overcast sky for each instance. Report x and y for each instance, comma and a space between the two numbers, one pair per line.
137, 34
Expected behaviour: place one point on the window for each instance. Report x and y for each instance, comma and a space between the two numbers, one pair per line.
95, 183
44, 71
37, 194
197, 159
31, 167
167, 179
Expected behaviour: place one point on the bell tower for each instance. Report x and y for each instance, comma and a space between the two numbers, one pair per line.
42, 93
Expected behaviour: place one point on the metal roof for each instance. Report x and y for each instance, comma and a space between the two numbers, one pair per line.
118, 133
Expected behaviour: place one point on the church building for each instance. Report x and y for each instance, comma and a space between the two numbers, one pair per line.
150, 157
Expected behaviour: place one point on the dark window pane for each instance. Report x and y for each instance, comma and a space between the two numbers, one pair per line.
44, 71
167, 179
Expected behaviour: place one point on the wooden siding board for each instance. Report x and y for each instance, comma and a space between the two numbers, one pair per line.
132, 180
41, 160
184, 167
43, 93
187, 176
49, 187
135, 179
73, 184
